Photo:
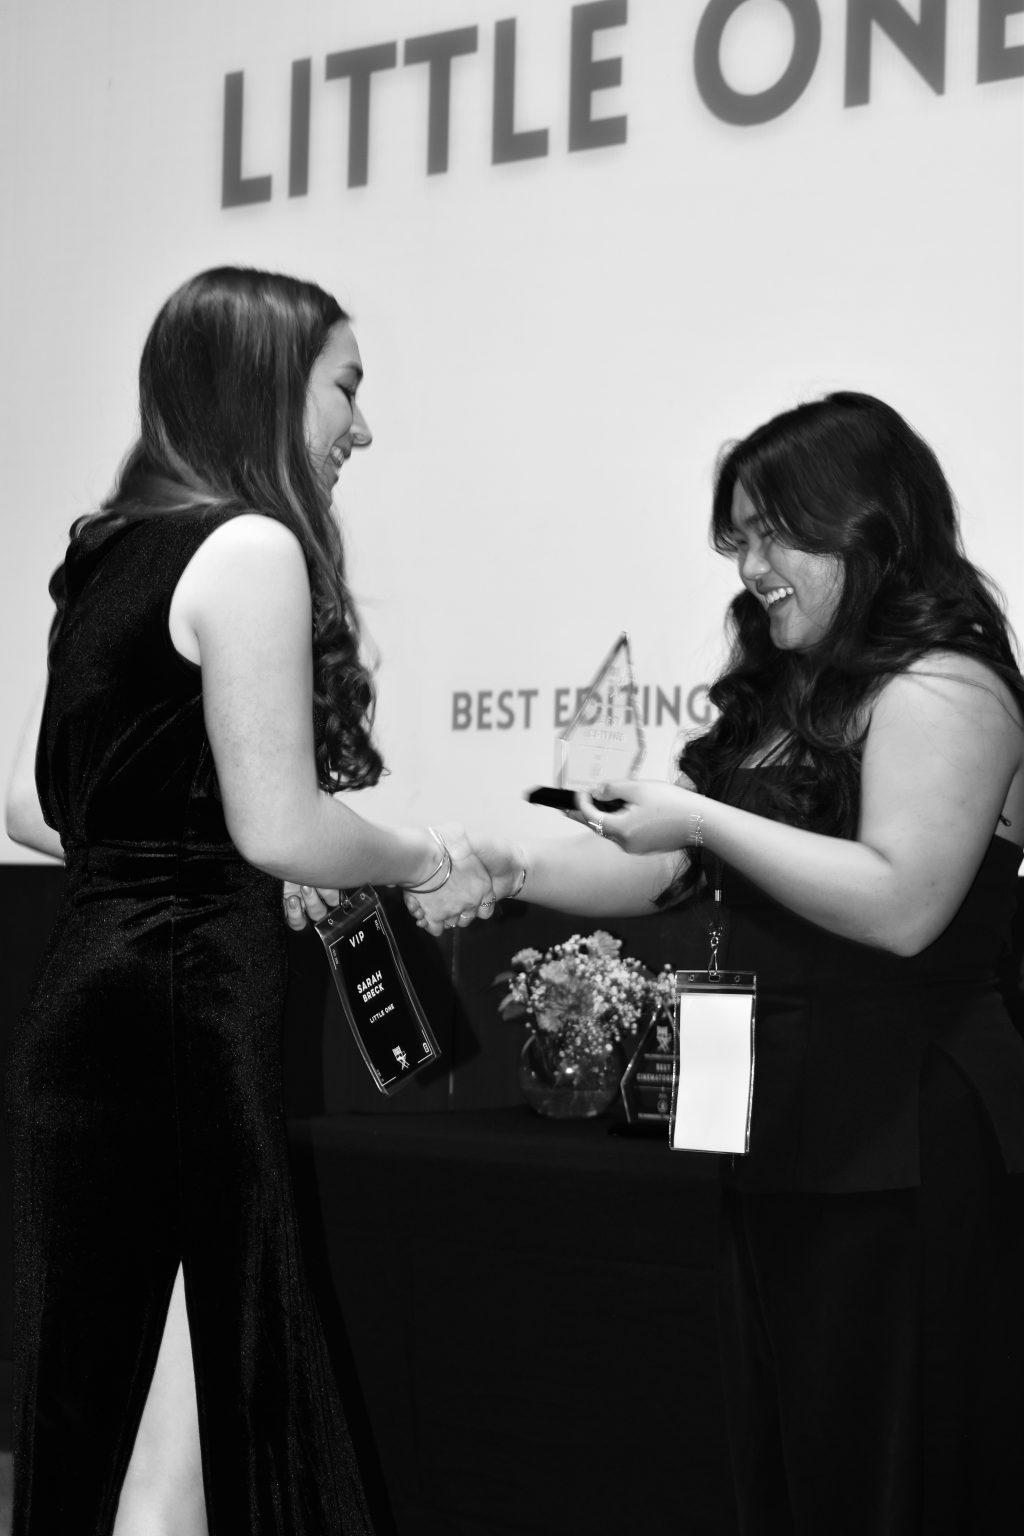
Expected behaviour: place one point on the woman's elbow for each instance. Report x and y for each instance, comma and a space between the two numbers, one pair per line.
261, 850
911, 932
20, 818
905, 946
266, 841
24, 824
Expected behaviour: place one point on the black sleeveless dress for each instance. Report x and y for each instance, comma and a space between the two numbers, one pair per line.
844, 1029
144, 1092
871, 1257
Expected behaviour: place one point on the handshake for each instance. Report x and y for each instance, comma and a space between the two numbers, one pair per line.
472, 874
470, 879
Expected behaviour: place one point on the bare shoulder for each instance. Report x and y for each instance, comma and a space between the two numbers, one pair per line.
250, 572
249, 553
253, 535
946, 686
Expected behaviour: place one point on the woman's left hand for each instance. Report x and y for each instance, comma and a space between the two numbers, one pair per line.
306, 903
656, 818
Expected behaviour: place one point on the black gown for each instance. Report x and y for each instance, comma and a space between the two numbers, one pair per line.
144, 1093
872, 1240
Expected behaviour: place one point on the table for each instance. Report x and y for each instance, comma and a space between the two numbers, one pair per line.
528, 1306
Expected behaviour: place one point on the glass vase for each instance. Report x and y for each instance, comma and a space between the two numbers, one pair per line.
568, 1087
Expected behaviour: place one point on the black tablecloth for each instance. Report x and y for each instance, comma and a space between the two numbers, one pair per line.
529, 1307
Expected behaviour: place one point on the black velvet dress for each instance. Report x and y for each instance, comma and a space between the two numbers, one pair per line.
144, 1092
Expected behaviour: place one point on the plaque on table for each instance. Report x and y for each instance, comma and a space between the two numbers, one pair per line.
648, 1080
377, 996
605, 739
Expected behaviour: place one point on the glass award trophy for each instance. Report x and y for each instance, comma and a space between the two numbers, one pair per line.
383, 1012
605, 740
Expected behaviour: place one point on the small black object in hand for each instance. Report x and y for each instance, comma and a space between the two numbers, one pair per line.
565, 799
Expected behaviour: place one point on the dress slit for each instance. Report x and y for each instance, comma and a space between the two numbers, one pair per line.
174, 1404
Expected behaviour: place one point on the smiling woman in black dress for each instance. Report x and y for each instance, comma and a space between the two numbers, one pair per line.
861, 808
205, 699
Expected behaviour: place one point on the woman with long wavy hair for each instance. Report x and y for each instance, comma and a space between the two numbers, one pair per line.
205, 701
859, 805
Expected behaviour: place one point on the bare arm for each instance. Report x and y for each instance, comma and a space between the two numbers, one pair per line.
943, 747
591, 876
22, 811
583, 875
244, 604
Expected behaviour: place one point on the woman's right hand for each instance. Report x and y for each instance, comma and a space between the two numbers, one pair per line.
468, 892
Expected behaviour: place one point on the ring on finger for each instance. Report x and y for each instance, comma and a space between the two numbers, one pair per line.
596, 826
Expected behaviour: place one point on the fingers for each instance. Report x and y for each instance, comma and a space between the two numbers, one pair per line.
314, 903
306, 903
436, 921
294, 911
436, 916
591, 817
467, 894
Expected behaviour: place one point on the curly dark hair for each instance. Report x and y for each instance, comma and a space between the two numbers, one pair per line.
845, 476
222, 392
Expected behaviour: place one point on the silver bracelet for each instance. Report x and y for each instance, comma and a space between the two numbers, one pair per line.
698, 831
445, 863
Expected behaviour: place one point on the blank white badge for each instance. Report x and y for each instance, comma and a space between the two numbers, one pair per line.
715, 1078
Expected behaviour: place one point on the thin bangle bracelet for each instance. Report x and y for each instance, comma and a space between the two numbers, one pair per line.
426, 888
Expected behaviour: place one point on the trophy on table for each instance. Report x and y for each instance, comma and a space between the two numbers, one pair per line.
605, 740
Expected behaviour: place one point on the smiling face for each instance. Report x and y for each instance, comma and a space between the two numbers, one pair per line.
800, 591
334, 424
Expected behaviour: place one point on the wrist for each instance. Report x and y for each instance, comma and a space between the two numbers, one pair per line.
518, 870
434, 860
696, 825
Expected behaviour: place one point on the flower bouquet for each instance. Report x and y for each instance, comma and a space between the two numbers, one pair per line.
581, 1000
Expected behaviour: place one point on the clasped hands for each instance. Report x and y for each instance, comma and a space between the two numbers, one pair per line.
656, 817
483, 872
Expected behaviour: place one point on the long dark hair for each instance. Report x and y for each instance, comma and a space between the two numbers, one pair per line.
222, 391
844, 476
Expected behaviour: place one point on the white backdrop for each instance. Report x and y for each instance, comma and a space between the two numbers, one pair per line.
556, 346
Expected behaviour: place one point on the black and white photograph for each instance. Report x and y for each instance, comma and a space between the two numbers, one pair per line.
512, 749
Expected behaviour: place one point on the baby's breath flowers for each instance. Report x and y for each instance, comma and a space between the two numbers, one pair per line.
579, 1000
